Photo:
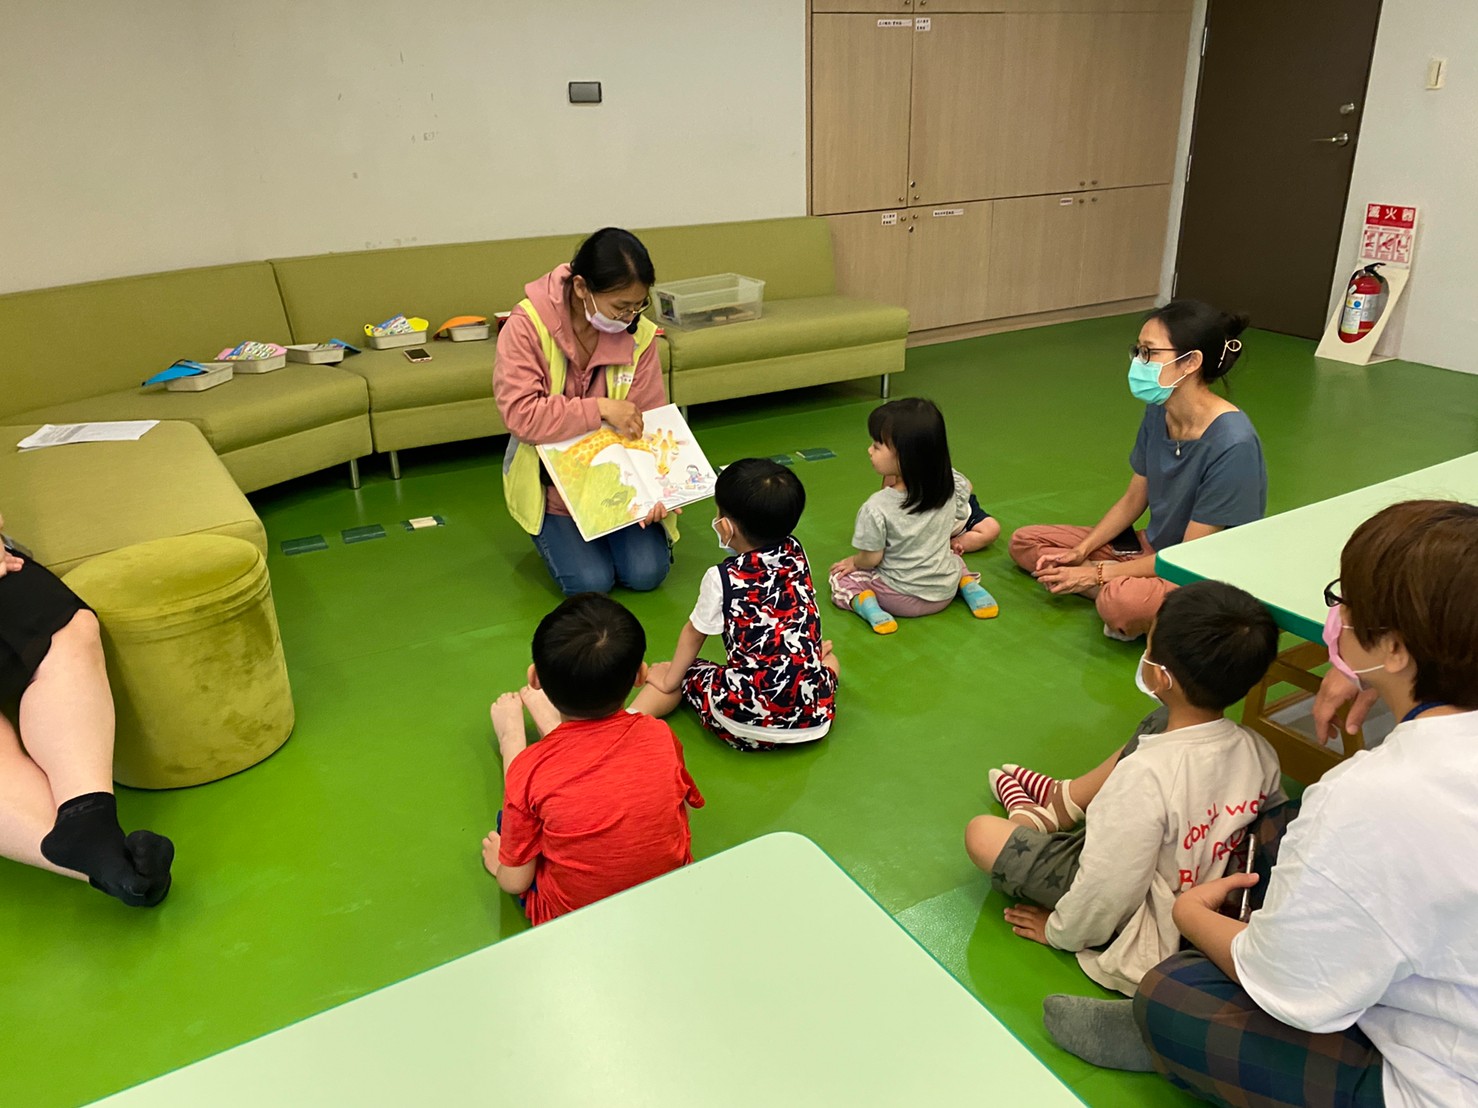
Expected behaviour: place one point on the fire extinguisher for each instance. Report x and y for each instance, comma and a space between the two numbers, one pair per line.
1365, 299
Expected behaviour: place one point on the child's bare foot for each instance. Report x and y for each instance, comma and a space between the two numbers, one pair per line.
490, 852
829, 659
507, 716
544, 714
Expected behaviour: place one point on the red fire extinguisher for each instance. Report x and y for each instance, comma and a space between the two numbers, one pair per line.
1365, 299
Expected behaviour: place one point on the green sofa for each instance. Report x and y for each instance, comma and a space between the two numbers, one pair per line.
78, 353
70, 504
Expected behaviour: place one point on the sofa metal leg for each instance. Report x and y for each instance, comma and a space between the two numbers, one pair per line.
354, 473
395, 465
683, 411
885, 387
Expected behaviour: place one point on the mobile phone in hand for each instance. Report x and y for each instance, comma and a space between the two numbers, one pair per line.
418, 354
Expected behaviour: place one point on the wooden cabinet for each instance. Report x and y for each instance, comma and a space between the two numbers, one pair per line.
1050, 252
1034, 255
1123, 247
860, 74
948, 281
871, 255
904, 6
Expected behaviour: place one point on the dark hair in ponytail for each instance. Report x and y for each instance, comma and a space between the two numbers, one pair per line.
1193, 325
914, 428
611, 259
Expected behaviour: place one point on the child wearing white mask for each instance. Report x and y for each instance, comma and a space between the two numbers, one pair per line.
1158, 822
778, 684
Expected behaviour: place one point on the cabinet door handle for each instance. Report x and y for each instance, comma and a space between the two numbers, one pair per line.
1093, 183
1082, 184
1341, 139
900, 200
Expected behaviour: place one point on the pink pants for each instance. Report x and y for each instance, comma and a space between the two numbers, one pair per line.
1125, 604
846, 586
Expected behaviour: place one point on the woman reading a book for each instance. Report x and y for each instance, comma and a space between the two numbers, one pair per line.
57, 809
575, 352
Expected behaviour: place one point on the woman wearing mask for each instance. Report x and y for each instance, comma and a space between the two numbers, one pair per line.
1198, 468
575, 352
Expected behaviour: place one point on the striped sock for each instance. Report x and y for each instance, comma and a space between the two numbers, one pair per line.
1037, 785
1008, 791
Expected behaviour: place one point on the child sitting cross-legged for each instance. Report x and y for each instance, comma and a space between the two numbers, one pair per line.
600, 802
1162, 814
778, 686
905, 564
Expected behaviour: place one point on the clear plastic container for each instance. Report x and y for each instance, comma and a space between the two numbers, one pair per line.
220, 373
708, 301
390, 342
324, 353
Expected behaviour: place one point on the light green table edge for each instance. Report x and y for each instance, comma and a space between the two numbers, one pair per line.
1291, 622
625, 892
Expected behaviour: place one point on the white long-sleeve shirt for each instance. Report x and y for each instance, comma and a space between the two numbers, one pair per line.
1371, 915
1168, 817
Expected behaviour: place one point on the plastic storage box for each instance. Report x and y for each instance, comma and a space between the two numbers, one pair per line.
220, 373
323, 353
706, 301
469, 332
390, 342
254, 365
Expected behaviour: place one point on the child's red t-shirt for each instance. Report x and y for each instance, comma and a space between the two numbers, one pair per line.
603, 805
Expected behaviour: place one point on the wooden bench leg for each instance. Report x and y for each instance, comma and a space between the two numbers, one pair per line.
1302, 759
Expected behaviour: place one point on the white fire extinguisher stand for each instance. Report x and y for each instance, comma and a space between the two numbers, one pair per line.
1388, 237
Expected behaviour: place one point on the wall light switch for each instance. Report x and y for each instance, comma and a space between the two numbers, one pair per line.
584, 92
1436, 73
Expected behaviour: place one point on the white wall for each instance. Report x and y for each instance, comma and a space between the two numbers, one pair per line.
1420, 147
1183, 146
159, 134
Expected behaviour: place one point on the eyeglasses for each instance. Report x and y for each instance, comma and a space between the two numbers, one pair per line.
1143, 352
632, 313
1332, 599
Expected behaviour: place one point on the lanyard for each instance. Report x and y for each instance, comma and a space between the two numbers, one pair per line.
1424, 706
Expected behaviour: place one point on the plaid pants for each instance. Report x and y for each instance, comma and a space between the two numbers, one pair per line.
1207, 1036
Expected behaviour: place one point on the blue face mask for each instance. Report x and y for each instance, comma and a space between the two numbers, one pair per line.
1144, 380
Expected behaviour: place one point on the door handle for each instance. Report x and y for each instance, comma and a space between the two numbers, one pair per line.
1341, 139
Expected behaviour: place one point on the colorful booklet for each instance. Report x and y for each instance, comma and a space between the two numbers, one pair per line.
610, 482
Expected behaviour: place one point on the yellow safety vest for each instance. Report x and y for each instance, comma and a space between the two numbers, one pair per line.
522, 489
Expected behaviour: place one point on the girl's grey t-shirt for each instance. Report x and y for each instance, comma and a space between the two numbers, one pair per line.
1219, 479
917, 560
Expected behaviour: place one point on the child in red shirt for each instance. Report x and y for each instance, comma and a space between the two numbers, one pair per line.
600, 802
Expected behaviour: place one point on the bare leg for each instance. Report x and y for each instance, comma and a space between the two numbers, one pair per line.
978, 537
544, 714
507, 715
67, 714
985, 836
653, 701
829, 659
1083, 789
27, 810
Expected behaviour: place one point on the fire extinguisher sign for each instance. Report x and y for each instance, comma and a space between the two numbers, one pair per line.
1387, 234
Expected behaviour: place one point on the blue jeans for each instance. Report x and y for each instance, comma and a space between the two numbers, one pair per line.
635, 557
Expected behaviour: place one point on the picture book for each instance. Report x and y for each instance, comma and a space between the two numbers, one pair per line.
610, 482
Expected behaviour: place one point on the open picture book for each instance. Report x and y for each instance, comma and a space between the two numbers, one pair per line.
610, 482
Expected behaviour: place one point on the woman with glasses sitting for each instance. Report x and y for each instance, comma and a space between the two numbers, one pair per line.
575, 352
1198, 468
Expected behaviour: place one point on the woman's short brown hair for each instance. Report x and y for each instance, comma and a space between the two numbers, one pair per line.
1412, 569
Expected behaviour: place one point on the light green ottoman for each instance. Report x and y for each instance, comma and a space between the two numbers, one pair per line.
194, 658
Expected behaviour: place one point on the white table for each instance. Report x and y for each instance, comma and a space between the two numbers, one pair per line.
761, 976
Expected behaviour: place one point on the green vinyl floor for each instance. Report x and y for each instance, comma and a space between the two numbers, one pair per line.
350, 859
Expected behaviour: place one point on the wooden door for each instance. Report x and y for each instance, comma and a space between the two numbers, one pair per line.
871, 255
1265, 199
1035, 255
948, 271
860, 68
1138, 82
904, 6
1123, 245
